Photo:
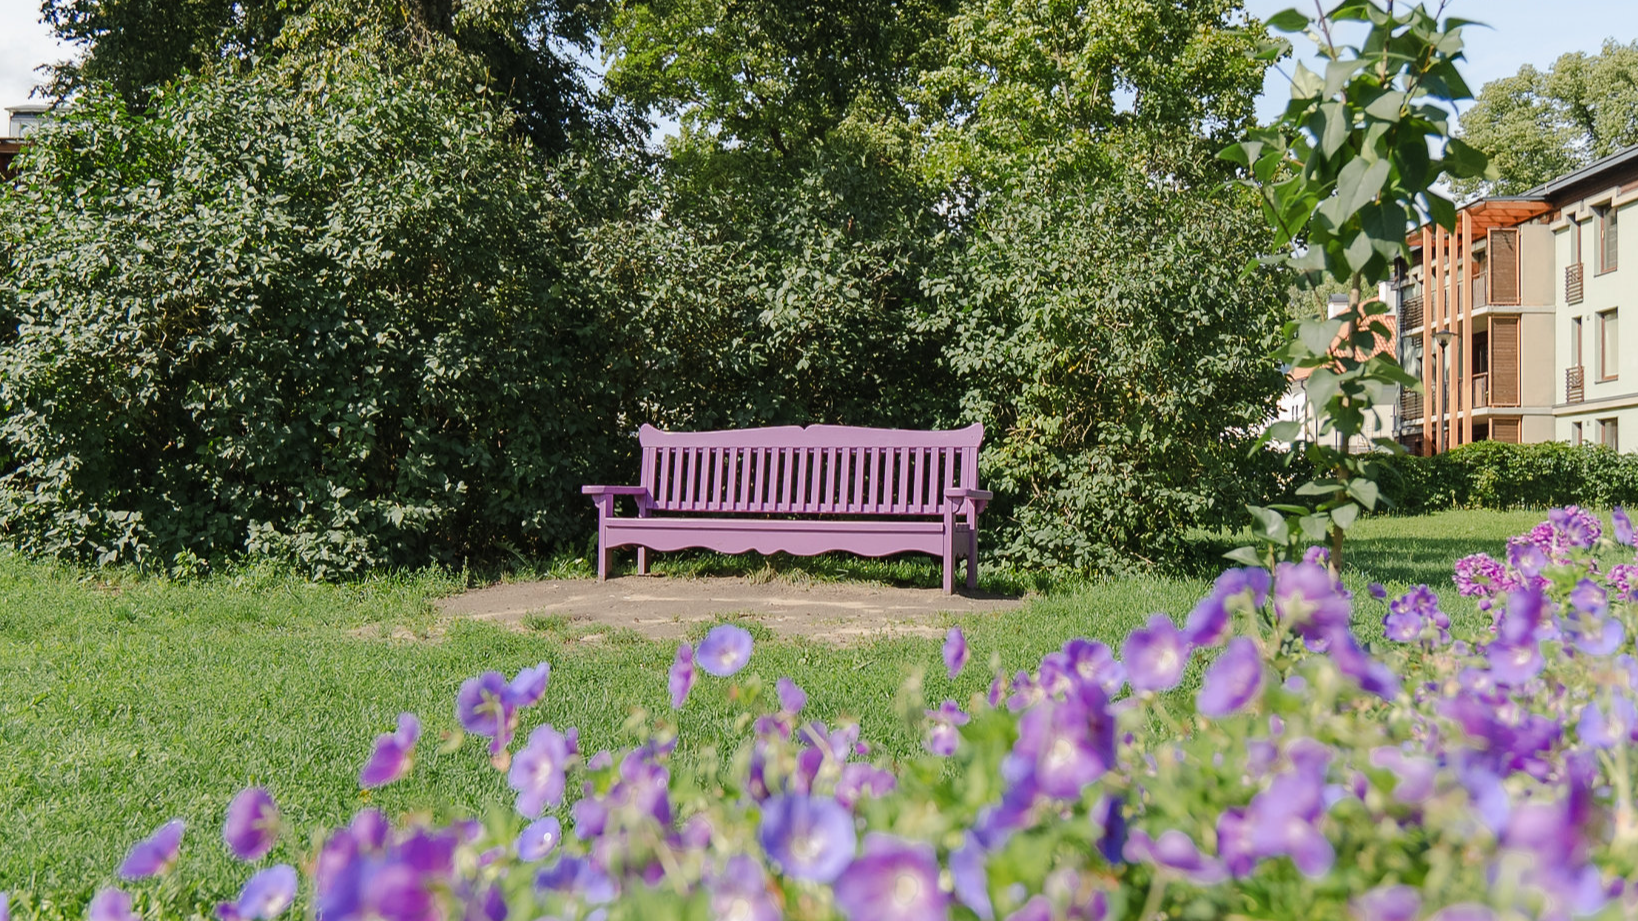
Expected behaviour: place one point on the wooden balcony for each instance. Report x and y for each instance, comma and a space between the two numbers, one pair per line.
1575, 384
1410, 313
1481, 391
1410, 405
1572, 283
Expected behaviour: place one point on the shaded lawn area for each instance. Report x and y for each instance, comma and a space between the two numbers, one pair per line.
126, 701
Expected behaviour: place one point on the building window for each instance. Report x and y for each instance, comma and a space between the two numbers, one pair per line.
1575, 342
1609, 434
1609, 345
1576, 438
1608, 250
1575, 242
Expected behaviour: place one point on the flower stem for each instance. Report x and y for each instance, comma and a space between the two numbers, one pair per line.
1157, 892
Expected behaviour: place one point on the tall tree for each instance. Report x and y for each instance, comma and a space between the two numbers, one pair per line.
1535, 126
532, 51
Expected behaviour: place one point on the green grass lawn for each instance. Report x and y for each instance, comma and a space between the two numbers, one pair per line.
126, 701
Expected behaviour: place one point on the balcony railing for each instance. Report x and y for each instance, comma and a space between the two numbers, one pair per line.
1481, 391
1411, 313
1572, 283
1410, 405
1575, 384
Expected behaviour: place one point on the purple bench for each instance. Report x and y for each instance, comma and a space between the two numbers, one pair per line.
872, 492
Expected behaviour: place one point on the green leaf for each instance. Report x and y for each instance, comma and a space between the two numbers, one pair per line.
1315, 526
1345, 515
1245, 556
1269, 525
1365, 491
1464, 161
1284, 431
1288, 20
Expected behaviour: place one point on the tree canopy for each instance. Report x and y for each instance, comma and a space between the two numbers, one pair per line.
386, 283
1535, 126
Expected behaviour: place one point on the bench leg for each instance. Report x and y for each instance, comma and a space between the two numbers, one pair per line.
642, 561
605, 561
972, 560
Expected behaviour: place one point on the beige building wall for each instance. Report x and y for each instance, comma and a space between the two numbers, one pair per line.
1610, 394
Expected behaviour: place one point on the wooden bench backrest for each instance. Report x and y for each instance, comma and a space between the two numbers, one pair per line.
816, 470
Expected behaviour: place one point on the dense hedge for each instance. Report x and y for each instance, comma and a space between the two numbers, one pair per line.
1488, 475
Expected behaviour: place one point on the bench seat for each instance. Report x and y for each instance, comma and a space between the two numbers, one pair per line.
804, 491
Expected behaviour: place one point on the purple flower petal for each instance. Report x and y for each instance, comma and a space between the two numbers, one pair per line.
955, 651
1388, 903
971, 879
1623, 525
539, 839
740, 892
112, 905
390, 759
725, 650
1063, 745
267, 894
537, 773
1233, 680
1175, 851
680, 680
252, 824
156, 854
791, 697
810, 838
1155, 655
893, 880
529, 686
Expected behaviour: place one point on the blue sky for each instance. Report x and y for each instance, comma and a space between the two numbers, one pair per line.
1525, 31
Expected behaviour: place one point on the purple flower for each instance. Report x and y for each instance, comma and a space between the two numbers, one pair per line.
1283, 819
740, 892
112, 905
955, 651
1514, 663
1063, 745
1175, 851
1412, 613
971, 879
252, 824
1233, 680
725, 650
1416, 775
483, 706
537, 771
1528, 558
1623, 525
1234, 843
791, 696
1091, 662
156, 854
265, 896
860, 779
1316, 556
810, 838
943, 732
1578, 527
1155, 655
680, 679
529, 686
1308, 599
5, 906
1479, 575
1235, 590
539, 838
391, 759
893, 880
1388, 903
1620, 727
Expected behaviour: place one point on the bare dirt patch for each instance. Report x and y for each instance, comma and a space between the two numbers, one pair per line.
666, 607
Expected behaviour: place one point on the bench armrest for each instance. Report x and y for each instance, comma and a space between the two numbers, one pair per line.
956, 493
614, 490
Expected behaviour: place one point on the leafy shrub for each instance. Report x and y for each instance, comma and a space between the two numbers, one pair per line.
317, 311
1117, 369
1444, 775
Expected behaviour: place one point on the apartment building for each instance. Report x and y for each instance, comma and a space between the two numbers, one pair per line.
1512, 320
